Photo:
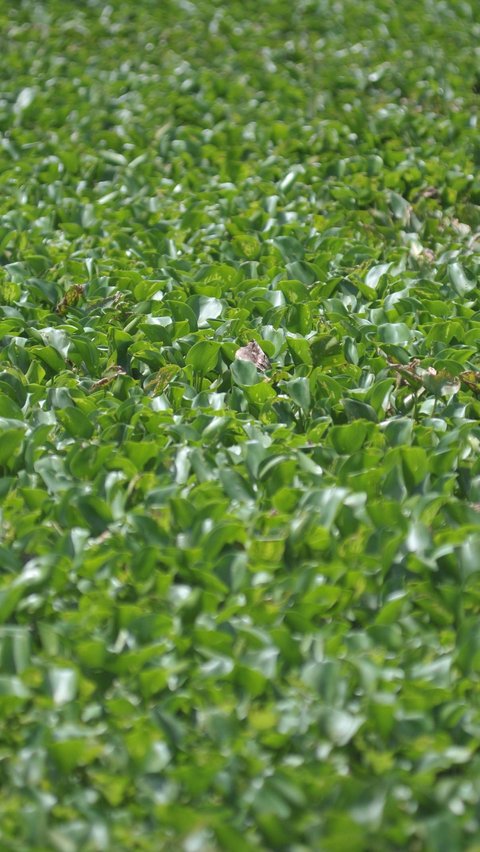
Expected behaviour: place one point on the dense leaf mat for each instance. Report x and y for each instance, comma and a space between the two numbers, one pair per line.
239, 611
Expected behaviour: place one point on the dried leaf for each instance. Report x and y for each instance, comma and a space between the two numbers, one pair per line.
71, 297
252, 352
113, 372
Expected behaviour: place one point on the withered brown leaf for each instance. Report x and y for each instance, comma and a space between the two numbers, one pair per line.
71, 297
253, 352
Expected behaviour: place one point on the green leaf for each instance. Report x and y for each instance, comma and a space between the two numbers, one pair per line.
247, 246
203, 356
206, 309
260, 393
341, 726
348, 438
415, 464
75, 423
299, 391
63, 685
49, 356
356, 410
394, 332
294, 291
457, 276
11, 441
245, 373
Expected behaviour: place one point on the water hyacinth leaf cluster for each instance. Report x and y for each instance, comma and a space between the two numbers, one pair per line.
239, 595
